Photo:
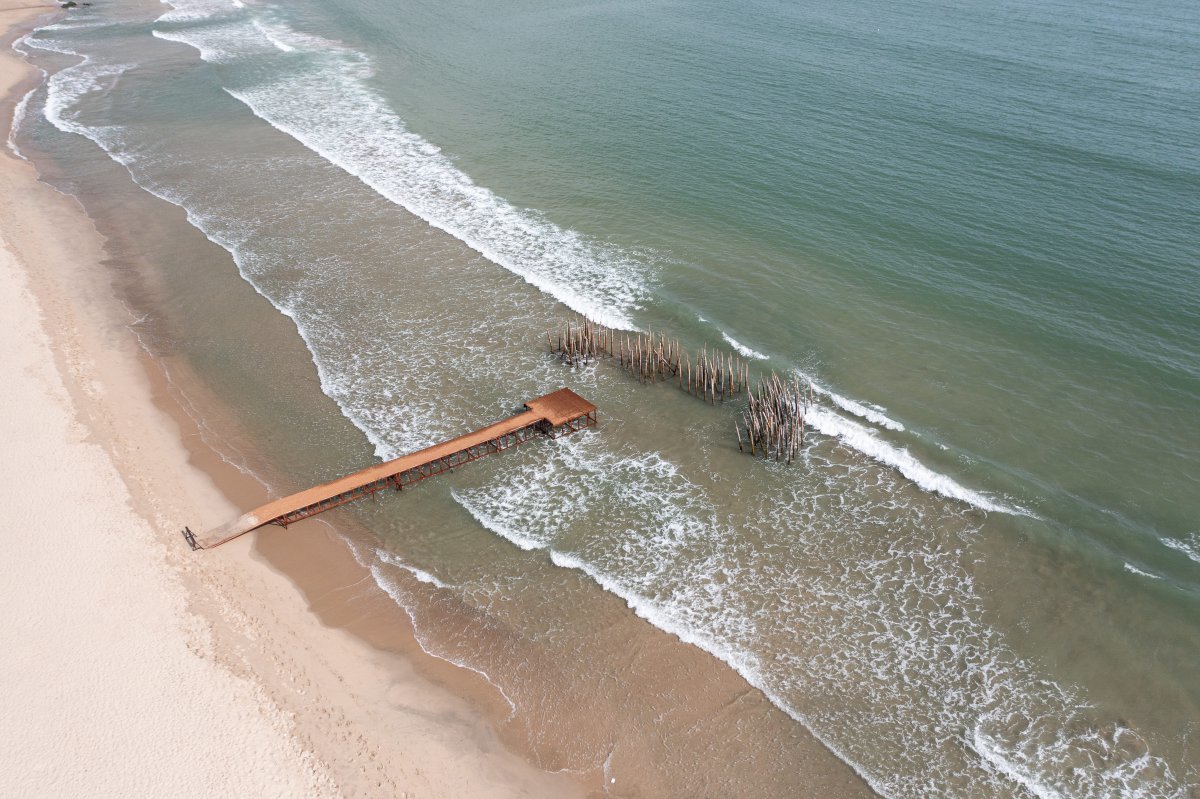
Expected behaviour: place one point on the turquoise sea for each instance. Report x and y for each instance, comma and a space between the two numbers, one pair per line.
972, 226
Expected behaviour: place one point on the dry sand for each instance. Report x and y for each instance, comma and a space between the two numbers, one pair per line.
132, 666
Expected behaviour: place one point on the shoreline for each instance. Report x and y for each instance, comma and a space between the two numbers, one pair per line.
240, 634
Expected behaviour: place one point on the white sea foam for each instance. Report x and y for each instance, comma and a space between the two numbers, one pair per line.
390, 433
1191, 547
1129, 567
67, 87
421, 575
991, 755
876, 449
1044, 759
17, 120
866, 441
872, 413
279, 43
399, 596
492, 518
742, 349
530, 515
197, 11
223, 40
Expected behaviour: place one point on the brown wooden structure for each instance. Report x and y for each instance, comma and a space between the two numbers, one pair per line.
553, 415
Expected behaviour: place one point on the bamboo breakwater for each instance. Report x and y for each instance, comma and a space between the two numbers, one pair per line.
774, 421
652, 357
773, 424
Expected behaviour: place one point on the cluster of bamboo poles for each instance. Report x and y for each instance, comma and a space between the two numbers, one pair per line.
651, 357
583, 342
717, 375
773, 423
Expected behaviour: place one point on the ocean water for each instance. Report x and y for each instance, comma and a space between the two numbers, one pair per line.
973, 227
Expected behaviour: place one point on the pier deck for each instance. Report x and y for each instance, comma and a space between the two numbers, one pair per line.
553, 415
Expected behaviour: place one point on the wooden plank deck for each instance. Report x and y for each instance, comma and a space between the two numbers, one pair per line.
555, 414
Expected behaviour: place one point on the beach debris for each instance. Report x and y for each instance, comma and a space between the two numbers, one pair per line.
773, 424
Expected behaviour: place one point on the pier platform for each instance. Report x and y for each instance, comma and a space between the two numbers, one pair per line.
553, 415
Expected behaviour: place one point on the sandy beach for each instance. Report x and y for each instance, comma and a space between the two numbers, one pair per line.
134, 667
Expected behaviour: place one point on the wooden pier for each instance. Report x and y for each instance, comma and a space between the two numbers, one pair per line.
553, 415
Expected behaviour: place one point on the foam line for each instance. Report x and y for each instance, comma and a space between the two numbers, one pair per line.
866, 441
1129, 567
17, 120
1191, 547
991, 756
872, 414
742, 349
421, 575
393, 590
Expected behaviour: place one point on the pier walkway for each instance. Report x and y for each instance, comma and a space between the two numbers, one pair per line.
553, 415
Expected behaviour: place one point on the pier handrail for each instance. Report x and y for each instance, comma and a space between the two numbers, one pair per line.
555, 414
